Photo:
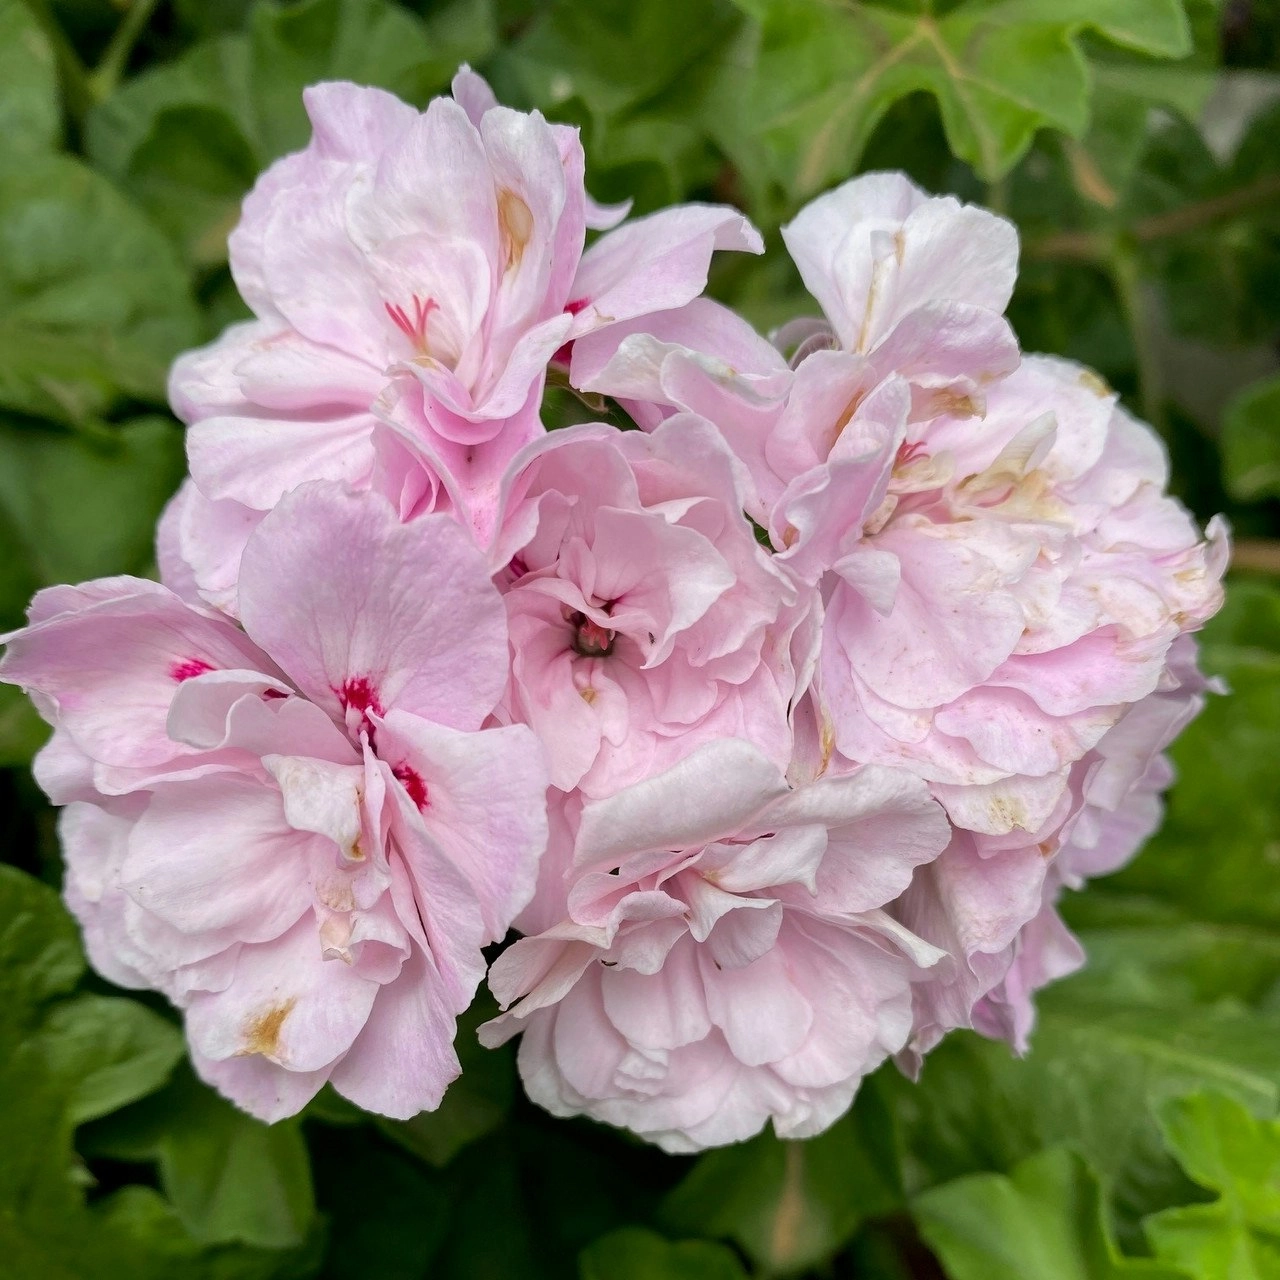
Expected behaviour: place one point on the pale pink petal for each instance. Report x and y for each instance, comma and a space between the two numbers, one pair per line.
367, 614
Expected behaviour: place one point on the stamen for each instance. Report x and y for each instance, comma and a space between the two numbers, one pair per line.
590, 639
908, 451
414, 329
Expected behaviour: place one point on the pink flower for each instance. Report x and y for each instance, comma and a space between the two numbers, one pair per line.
1022, 583
1005, 581
296, 831
723, 958
645, 619
990, 900
446, 244
1001, 568
913, 288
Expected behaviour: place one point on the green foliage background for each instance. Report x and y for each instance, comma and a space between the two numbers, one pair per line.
1137, 145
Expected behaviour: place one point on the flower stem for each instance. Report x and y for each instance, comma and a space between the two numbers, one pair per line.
77, 95
1261, 555
115, 58
1122, 267
1092, 246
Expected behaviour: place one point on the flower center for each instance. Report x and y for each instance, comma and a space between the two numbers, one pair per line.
359, 698
590, 639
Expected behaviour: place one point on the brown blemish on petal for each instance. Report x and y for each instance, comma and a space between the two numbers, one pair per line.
262, 1033
952, 403
588, 695
1047, 848
515, 222
828, 739
336, 895
1095, 383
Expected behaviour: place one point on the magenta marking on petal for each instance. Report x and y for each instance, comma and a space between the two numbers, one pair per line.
411, 780
189, 669
577, 305
358, 694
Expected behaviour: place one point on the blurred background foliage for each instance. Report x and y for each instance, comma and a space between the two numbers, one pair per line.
1137, 145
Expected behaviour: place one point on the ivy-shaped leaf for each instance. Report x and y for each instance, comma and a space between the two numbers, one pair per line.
828, 70
231, 1178
1227, 1150
83, 504
1045, 1219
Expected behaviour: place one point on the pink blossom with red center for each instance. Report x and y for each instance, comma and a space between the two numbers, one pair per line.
309, 876
440, 249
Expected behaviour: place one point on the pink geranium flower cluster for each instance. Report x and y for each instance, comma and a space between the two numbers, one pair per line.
776, 727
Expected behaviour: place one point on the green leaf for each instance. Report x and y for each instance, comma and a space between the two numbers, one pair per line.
1098, 1068
117, 1051
827, 74
83, 505
191, 171
1227, 1150
93, 302
30, 118
188, 137
40, 955
614, 55
368, 41
1227, 798
22, 732
791, 1204
213, 74
1251, 442
632, 77
1045, 1219
636, 1254
81, 1060
230, 1177
62, 1061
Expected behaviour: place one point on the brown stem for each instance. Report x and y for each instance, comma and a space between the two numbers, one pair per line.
1262, 555
1094, 246
1070, 246
1202, 213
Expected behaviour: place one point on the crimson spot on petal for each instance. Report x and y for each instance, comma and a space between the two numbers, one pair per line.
189, 669
358, 694
411, 780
